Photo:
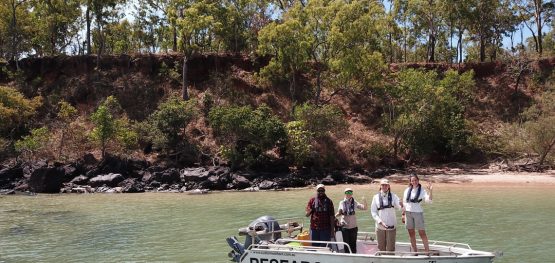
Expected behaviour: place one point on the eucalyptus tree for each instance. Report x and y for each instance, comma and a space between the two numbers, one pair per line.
55, 25
288, 44
196, 23
16, 23
428, 20
103, 12
154, 20
537, 13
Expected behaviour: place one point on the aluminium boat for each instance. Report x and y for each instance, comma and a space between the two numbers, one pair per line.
268, 240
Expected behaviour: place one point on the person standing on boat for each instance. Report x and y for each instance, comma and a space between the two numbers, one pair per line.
322, 218
383, 211
414, 217
349, 227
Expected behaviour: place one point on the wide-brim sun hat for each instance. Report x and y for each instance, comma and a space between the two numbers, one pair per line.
384, 181
320, 186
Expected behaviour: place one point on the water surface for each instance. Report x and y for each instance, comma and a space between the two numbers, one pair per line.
167, 227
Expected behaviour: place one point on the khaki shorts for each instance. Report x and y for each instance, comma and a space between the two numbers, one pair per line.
415, 220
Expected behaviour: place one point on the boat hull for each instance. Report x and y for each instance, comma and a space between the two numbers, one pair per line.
269, 256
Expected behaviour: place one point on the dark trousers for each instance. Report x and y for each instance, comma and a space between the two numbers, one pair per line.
350, 237
320, 235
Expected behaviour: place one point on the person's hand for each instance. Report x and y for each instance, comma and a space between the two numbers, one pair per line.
430, 187
308, 211
383, 224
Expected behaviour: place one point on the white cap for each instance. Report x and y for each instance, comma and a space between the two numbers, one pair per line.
348, 189
320, 186
384, 181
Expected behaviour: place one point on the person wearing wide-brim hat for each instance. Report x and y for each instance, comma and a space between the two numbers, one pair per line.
383, 211
322, 220
349, 227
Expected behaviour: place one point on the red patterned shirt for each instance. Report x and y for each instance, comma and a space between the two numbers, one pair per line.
322, 212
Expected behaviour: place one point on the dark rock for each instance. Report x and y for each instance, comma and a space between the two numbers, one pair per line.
218, 170
47, 180
8, 176
80, 180
292, 180
239, 182
110, 180
194, 174
154, 184
132, 185
215, 183
329, 180
381, 173
147, 176
267, 184
169, 176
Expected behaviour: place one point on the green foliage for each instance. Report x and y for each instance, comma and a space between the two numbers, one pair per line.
426, 113
30, 144
299, 142
320, 120
15, 109
169, 122
109, 127
246, 133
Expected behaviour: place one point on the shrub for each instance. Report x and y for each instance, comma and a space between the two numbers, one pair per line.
536, 133
109, 127
426, 114
15, 109
165, 127
299, 142
30, 144
246, 133
320, 120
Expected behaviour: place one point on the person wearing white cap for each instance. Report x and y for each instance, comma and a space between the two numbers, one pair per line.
349, 227
322, 219
383, 211
413, 195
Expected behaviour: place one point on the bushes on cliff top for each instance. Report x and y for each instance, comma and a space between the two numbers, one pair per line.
15, 109
247, 134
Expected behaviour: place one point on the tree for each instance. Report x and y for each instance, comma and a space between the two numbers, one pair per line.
102, 11
30, 144
54, 25
536, 10
66, 114
288, 44
111, 126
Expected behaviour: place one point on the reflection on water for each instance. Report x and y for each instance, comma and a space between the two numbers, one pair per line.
192, 228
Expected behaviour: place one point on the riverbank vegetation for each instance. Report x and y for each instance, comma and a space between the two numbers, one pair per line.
278, 85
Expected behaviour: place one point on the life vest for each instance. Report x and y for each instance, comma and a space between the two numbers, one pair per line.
317, 206
349, 209
416, 199
389, 200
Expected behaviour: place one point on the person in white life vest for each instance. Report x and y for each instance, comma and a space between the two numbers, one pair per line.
383, 211
348, 220
413, 196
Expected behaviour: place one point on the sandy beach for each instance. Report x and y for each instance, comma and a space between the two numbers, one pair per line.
480, 176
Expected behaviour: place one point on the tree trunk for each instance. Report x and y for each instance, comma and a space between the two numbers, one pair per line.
482, 48
88, 18
14, 32
318, 86
184, 91
544, 154
538, 16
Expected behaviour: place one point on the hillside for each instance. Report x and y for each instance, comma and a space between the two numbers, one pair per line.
140, 82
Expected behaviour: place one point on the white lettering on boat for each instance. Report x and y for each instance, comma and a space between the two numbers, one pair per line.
273, 260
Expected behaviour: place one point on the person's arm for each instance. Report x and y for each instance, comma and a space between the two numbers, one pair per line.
339, 210
429, 187
364, 204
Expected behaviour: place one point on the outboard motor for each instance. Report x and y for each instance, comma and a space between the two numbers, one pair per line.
264, 223
264, 227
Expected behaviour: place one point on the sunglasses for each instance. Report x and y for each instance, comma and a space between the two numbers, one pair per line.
349, 192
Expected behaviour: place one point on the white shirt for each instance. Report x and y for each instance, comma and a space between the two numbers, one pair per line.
415, 207
386, 215
350, 220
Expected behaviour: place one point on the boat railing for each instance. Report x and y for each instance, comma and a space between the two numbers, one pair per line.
267, 227
366, 236
445, 244
326, 245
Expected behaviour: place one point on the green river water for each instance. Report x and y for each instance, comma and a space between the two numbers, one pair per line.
172, 227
